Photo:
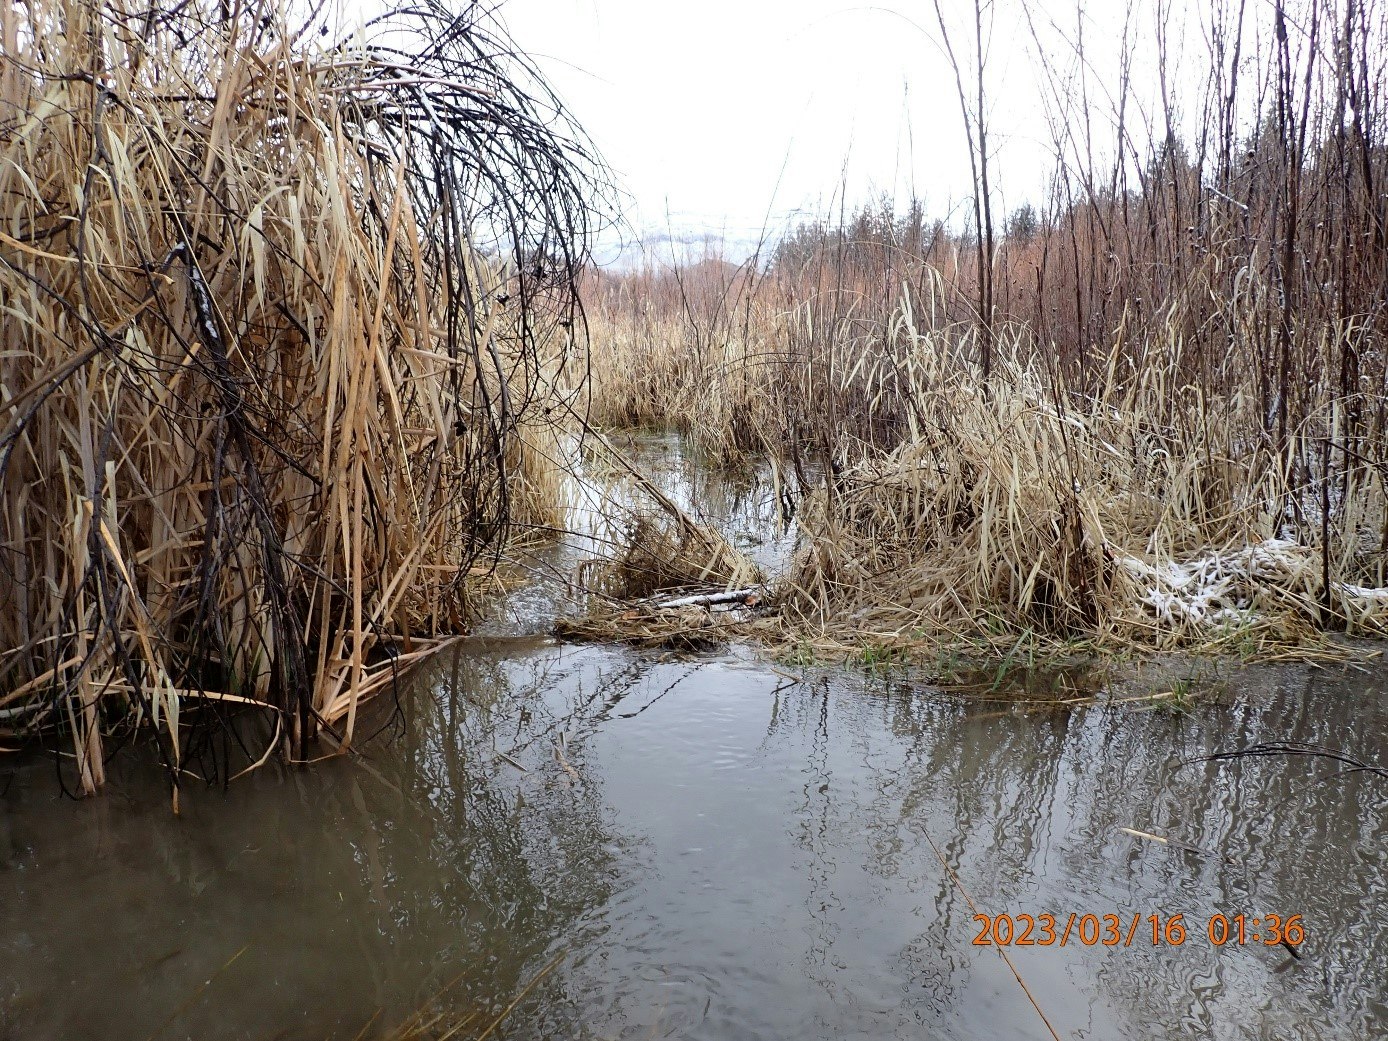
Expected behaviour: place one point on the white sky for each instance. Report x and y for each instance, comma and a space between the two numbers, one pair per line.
724, 110
720, 112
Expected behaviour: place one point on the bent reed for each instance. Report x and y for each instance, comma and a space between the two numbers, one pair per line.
285, 315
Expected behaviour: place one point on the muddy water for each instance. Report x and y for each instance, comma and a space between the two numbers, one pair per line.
702, 847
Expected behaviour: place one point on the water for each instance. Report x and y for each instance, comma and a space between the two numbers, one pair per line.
703, 847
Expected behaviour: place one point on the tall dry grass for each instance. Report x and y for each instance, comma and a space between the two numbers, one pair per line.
284, 314
1150, 409
1140, 515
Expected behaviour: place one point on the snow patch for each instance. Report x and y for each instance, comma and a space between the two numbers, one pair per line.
1219, 587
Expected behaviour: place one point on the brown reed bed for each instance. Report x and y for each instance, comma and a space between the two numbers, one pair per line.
1148, 412
285, 315
1017, 512
1140, 513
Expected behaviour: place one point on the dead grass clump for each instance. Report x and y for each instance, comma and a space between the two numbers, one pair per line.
689, 629
1134, 518
658, 553
284, 314
650, 543
661, 577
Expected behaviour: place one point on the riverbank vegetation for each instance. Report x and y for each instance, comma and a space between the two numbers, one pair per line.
1147, 411
285, 316
296, 330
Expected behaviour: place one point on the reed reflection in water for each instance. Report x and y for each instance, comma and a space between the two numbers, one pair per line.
714, 851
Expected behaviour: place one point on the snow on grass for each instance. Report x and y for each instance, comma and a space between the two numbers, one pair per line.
1228, 586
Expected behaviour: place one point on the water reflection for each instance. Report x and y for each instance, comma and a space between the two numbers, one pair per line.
712, 851
715, 853
1030, 811
337, 894
741, 501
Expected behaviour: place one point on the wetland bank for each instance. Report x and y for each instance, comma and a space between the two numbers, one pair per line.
446, 635
699, 845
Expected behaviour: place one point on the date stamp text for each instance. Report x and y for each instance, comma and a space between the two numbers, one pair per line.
1112, 930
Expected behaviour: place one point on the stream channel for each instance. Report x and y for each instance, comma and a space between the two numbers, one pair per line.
641, 844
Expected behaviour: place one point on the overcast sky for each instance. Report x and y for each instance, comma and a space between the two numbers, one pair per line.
721, 112
725, 110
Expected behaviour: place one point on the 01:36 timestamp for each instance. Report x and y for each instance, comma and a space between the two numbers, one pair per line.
1111, 930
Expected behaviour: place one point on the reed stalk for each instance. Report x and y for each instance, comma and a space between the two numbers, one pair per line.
284, 315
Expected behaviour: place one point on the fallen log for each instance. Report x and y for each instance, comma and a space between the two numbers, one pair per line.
749, 595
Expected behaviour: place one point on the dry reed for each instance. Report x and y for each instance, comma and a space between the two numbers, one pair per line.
1150, 412
1139, 516
284, 315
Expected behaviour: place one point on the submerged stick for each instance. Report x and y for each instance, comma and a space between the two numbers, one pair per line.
1352, 764
1175, 844
1002, 952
